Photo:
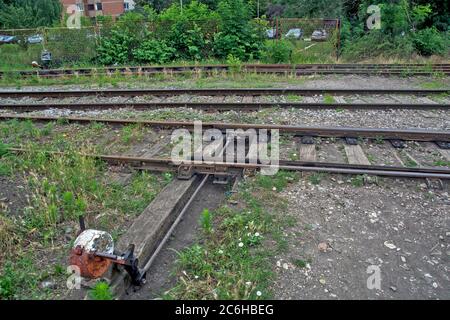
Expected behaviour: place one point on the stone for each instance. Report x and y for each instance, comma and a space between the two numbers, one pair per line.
48, 284
323, 246
389, 245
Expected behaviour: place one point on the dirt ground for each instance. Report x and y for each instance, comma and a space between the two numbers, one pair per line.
13, 195
399, 226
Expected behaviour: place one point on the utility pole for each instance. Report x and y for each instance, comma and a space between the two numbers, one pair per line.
258, 9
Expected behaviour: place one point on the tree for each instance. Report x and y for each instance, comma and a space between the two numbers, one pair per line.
17, 14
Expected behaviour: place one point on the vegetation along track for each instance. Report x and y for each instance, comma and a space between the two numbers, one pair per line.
298, 69
357, 161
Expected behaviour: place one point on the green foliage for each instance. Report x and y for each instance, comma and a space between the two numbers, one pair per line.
206, 221
231, 263
153, 51
117, 48
16, 276
278, 51
188, 42
19, 14
429, 41
237, 35
101, 291
277, 182
403, 32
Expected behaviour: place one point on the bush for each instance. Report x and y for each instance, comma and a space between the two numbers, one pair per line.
117, 48
237, 35
278, 51
376, 43
429, 41
188, 41
153, 51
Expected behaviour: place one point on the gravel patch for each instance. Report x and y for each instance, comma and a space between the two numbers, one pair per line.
344, 234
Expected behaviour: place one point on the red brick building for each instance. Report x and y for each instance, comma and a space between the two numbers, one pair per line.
93, 8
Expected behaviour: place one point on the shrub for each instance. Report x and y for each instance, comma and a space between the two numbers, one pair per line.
101, 291
153, 51
429, 41
188, 41
278, 51
117, 48
237, 35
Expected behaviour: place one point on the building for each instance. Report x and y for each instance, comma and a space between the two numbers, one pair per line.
93, 8
128, 5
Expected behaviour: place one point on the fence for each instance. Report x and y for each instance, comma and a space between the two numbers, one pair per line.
78, 46
308, 30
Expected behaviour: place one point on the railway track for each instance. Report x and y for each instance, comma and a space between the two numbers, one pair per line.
303, 139
351, 136
233, 168
221, 106
212, 92
328, 132
302, 69
225, 99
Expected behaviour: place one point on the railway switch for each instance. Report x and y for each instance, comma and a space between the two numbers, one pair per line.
93, 253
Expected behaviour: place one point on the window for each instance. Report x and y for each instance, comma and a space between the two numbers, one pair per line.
99, 6
126, 6
91, 7
80, 7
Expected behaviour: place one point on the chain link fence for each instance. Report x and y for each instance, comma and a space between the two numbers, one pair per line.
77, 47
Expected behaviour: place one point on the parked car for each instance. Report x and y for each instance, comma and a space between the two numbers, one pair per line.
295, 33
7, 39
319, 35
37, 38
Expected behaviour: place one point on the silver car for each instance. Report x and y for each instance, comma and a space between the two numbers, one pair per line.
35, 39
295, 33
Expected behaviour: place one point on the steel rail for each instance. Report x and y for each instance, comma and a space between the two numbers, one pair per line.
213, 92
205, 167
174, 224
220, 106
338, 132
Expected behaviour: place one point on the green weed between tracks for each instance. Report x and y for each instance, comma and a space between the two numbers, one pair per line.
59, 188
233, 258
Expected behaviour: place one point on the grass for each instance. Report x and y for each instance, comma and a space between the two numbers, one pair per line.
328, 99
294, 98
410, 163
277, 182
60, 187
233, 261
434, 84
441, 163
358, 181
316, 177
101, 291
189, 80
300, 263
20, 279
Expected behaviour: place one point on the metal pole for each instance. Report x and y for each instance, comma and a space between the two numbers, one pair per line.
181, 5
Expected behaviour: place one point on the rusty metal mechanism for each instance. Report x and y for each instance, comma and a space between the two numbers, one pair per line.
93, 253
